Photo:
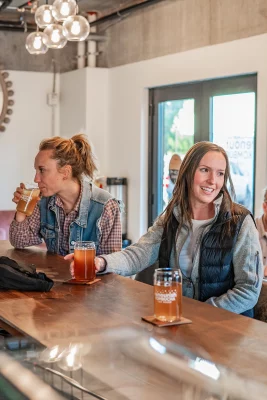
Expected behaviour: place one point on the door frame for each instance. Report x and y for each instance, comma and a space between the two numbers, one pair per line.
201, 92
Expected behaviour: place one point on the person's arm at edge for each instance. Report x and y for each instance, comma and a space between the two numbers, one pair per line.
26, 233
248, 272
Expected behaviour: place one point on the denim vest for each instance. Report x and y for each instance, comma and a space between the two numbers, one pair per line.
85, 227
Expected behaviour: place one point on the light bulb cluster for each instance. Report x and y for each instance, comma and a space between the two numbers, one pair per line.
74, 27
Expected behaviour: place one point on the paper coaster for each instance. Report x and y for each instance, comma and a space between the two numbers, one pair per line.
74, 282
154, 321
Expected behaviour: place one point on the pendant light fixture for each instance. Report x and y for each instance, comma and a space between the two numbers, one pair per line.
76, 28
35, 43
62, 9
44, 16
54, 37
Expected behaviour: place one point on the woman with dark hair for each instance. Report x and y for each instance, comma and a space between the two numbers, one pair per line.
71, 207
213, 240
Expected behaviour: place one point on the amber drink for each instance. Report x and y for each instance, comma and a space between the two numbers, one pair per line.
28, 200
84, 261
167, 294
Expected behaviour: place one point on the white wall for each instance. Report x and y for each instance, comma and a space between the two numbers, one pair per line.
128, 129
97, 115
84, 108
30, 122
73, 102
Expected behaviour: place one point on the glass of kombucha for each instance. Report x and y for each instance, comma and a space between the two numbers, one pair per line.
29, 198
84, 261
167, 294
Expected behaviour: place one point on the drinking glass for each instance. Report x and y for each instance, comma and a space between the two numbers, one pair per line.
167, 294
84, 261
29, 198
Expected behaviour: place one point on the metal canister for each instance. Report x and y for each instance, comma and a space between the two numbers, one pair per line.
117, 187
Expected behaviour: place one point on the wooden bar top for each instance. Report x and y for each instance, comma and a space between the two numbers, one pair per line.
226, 338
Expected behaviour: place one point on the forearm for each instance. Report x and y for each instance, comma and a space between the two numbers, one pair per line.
241, 298
138, 256
128, 262
25, 233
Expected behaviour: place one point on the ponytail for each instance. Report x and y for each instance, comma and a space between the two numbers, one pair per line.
76, 152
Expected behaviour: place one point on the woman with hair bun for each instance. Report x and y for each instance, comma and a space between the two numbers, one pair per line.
71, 208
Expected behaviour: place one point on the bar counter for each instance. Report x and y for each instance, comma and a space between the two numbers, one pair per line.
229, 339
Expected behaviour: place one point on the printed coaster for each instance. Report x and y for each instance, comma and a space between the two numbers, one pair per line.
152, 320
74, 282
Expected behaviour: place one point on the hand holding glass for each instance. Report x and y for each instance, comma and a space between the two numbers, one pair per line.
84, 261
29, 198
167, 294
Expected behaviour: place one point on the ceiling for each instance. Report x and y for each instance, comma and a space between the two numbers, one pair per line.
13, 13
103, 7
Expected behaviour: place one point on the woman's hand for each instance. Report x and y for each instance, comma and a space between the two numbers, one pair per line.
18, 193
100, 264
70, 257
265, 270
19, 217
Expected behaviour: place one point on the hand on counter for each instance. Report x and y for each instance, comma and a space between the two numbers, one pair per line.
100, 264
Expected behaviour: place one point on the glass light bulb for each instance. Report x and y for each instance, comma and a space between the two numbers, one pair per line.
35, 43
44, 16
47, 17
54, 36
71, 359
76, 28
53, 354
65, 9
62, 9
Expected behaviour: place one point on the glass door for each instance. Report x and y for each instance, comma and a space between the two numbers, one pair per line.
176, 130
220, 110
232, 117
233, 126
175, 119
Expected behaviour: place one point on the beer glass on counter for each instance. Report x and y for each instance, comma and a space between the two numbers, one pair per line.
167, 294
29, 198
84, 261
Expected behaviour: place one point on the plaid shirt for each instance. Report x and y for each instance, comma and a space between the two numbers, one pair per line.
27, 233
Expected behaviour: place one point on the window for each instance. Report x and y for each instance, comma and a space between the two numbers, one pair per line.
222, 111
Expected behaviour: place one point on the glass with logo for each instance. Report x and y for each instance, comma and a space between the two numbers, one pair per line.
84, 261
167, 294
29, 197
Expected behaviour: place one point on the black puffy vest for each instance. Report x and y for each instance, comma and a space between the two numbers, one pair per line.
216, 272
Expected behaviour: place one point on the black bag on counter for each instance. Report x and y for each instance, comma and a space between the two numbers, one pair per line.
16, 277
